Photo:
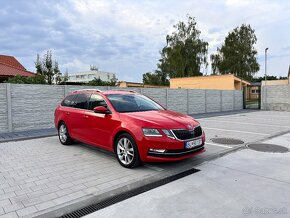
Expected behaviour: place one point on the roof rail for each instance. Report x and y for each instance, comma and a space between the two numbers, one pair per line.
124, 90
97, 90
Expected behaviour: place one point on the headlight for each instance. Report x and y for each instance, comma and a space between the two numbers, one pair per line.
168, 133
151, 132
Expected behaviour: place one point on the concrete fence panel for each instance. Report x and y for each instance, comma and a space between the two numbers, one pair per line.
33, 105
238, 100
227, 100
275, 98
26, 106
196, 101
213, 100
3, 109
177, 100
157, 94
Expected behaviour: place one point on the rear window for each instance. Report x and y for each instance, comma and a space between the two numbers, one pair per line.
81, 101
67, 102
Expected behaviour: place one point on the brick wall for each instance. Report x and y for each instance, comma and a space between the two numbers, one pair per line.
25, 106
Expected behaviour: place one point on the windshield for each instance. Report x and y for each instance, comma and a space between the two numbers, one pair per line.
132, 103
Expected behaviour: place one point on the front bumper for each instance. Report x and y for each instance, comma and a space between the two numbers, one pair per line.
174, 149
176, 153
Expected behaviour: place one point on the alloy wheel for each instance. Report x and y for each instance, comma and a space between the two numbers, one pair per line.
63, 133
125, 151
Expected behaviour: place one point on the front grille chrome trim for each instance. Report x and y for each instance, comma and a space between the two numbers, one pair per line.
172, 131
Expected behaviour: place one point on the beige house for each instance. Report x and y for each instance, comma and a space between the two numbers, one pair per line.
220, 82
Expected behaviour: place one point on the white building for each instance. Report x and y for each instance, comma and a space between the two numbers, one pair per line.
84, 77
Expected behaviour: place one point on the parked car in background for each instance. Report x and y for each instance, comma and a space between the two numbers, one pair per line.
133, 126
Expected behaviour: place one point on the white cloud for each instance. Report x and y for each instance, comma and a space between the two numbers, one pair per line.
126, 36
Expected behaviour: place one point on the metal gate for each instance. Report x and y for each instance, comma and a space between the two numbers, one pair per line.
252, 97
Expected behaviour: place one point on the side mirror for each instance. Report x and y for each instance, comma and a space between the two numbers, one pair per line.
102, 110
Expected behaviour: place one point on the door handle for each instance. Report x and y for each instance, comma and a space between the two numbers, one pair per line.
67, 113
86, 116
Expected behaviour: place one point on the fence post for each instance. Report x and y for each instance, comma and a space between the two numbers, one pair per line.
65, 90
166, 98
205, 100
234, 100
221, 99
9, 107
187, 92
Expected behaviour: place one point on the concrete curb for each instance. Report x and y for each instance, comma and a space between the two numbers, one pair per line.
26, 138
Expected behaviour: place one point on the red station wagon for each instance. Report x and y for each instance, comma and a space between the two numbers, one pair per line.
133, 126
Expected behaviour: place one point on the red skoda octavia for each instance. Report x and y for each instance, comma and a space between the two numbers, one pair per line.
129, 124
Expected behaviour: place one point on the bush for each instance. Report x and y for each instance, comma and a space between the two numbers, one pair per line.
37, 79
99, 82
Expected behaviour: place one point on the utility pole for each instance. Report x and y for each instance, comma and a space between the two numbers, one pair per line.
266, 49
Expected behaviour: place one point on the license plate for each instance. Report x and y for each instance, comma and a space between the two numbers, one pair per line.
193, 143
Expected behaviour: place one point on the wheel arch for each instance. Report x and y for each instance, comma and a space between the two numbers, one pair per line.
59, 122
118, 133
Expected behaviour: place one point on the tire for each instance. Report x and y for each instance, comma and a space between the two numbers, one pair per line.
126, 151
63, 134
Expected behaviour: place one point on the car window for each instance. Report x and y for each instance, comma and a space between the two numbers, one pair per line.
95, 101
133, 103
67, 102
81, 101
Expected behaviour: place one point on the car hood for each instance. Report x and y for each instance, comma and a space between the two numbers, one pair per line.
162, 119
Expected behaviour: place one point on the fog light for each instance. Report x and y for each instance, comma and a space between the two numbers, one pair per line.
157, 150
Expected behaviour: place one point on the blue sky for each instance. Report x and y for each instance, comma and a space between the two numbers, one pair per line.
126, 36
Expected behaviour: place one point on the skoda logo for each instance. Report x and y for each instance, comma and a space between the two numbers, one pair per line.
189, 127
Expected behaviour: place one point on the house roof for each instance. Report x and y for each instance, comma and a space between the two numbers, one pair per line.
11, 61
10, 66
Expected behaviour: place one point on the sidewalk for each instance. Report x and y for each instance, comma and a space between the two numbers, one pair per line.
246, 183
28, 134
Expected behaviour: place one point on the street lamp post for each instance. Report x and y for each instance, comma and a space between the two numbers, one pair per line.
266, 49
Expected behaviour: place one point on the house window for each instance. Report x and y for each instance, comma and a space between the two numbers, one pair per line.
255, 91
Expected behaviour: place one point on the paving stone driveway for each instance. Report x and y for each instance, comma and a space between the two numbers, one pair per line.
41, 174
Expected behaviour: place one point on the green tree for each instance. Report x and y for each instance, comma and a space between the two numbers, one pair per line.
59, 77
156, 78
48, 68
237, 55
259, 79
113, 80
186, 53
99, 82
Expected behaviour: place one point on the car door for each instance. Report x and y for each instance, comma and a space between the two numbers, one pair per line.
100, 126
78, 121
66, 110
